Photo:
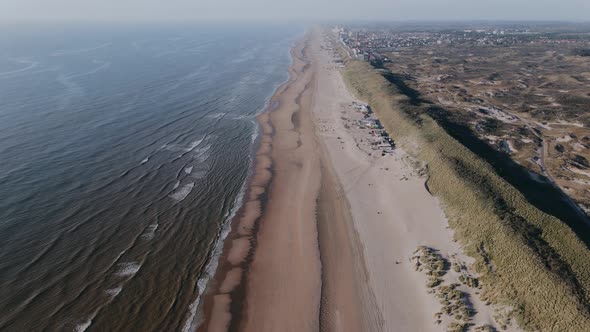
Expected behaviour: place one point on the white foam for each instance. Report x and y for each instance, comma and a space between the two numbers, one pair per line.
215, 116
242, 117
128, 269
83, 326
199, 174
193, 320
255, 132
194, 144
186, 148
195, 73
202, 154
31, 65
145, 161
183, 192
150, 231
101, 65
176, 184
188, 170
80, 50
113, 292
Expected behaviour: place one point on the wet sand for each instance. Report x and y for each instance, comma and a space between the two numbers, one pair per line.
273, 256
284, 275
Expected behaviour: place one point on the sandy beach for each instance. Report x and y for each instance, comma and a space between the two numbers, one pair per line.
325, 238
392, 213
272, 252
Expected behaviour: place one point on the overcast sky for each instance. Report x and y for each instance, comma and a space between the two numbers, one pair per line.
295, 9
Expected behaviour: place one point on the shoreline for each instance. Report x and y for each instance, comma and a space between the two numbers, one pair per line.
194, 319
247, 216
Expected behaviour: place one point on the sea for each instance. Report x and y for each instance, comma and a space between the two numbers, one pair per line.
124, 151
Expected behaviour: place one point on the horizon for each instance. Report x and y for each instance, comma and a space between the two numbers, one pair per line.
302, 11
294, 21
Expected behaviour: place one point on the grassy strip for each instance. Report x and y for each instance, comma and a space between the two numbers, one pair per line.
525, 259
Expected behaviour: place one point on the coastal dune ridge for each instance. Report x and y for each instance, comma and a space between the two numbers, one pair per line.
533, 269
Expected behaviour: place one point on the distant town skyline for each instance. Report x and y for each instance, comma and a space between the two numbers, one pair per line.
201, 10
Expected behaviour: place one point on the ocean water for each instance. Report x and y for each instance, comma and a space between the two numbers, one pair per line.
123, 153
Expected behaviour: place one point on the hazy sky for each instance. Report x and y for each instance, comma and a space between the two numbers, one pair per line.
295, 9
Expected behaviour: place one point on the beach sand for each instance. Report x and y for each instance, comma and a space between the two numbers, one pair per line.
392, 213
270, 266
324, 239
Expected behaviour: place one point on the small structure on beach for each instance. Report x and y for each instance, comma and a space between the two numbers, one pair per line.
380, 139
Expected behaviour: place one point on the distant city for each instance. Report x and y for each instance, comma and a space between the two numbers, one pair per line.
370, 43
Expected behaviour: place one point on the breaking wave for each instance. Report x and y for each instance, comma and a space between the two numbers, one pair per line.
180, 194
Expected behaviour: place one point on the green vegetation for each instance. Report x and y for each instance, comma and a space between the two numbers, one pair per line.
458, 327
469, 281
465, 277
435, 265
484, 328
454, 303
582, 52
504, 318
429, 259
525, 259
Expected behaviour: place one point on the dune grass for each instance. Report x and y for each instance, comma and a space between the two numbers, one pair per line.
525, 259
454, 302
